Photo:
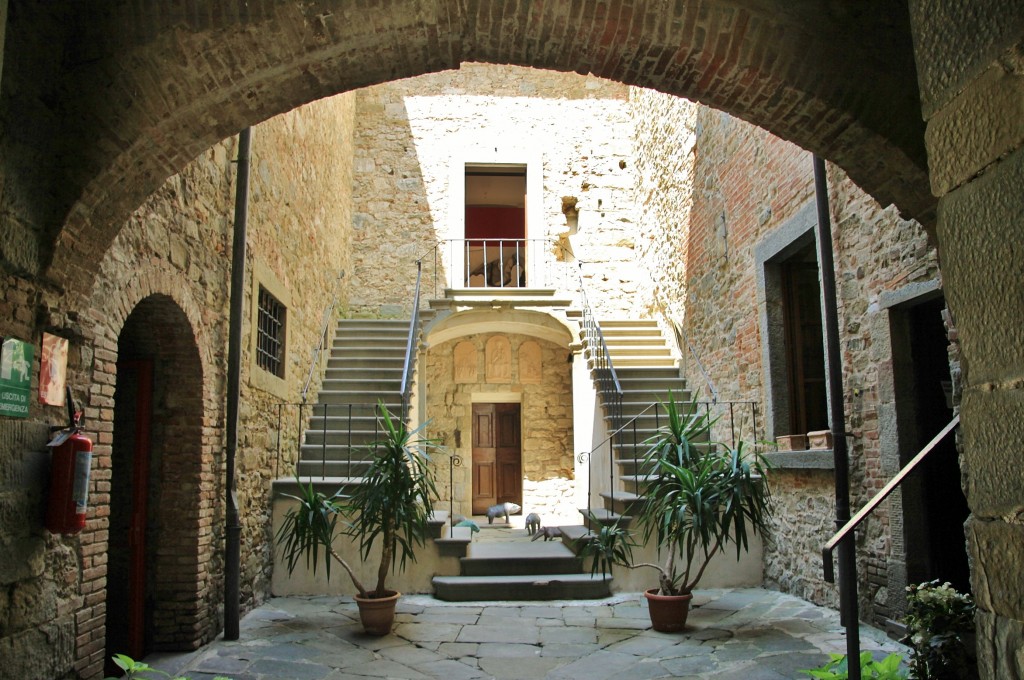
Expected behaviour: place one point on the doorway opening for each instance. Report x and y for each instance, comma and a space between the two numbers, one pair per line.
934, 506
497, 456
153, 570
495, 219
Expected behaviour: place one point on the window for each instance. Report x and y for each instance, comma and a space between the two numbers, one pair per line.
789, 301
804, 344
270, 333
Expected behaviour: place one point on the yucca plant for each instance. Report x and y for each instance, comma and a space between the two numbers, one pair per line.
392, 504
698, 498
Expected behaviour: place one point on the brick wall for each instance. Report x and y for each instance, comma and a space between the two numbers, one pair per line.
749, 186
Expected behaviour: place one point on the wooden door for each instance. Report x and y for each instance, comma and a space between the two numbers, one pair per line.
126, 623
140, 507
497, 456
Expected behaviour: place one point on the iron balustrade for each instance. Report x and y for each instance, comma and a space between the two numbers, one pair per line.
626, 446
496, 263
356, 429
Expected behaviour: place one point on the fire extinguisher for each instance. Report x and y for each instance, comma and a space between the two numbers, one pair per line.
69, 475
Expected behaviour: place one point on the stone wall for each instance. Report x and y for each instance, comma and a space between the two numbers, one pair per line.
752, 188
971, 100
664, 138
546, 421
413, 135
162, 290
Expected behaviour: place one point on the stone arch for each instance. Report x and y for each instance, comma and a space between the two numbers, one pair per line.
839, 82
158, 463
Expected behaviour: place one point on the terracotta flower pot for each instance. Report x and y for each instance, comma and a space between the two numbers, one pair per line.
791, 442
668, 612
378, 613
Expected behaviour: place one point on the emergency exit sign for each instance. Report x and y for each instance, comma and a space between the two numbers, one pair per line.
15, 377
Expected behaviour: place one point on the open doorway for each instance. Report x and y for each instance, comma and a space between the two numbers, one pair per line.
154, 576
495, 218
934, 507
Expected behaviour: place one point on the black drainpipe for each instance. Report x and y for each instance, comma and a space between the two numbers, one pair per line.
232, 549
837, 421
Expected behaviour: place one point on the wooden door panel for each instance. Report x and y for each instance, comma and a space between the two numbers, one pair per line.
497, 456
485, 493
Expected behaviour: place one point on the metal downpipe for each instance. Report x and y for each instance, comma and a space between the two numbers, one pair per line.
233, 529
837, 421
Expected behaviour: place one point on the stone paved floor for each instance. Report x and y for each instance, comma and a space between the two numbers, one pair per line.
748, 634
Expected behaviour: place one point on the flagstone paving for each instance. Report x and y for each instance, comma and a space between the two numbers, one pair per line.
748, 634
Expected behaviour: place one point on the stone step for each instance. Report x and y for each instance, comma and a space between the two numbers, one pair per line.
522, 565
392, 399
519, 588
604, 517
385, 383
622, 501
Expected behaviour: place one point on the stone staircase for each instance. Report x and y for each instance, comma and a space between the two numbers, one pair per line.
647, 371
364, 368
521, 570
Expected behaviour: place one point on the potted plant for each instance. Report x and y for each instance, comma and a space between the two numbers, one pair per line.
697, 500
391, 504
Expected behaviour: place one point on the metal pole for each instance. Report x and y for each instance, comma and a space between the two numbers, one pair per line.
837, 422
233, 529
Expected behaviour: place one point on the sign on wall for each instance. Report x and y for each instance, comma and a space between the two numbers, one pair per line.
53, 366
15, 377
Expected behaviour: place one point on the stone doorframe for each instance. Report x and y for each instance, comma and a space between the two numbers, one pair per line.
891, 436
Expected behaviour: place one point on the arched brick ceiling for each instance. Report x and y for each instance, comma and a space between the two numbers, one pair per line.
129, 91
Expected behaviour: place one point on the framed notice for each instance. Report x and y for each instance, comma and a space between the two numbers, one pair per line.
15, 377
53, 367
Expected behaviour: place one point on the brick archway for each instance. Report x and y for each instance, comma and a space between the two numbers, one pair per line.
152, 91
159, 381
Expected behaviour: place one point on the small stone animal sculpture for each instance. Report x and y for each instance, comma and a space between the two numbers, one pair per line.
532, 524
473, 528
548, 533
501, 509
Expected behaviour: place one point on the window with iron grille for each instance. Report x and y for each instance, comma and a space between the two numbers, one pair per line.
270, 336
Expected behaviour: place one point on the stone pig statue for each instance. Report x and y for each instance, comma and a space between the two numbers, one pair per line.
532, 524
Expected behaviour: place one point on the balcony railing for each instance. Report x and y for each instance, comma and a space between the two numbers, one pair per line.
497, 263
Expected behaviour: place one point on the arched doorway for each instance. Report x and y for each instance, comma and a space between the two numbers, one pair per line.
153, 580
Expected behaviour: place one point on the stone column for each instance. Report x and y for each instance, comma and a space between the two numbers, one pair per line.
971, 71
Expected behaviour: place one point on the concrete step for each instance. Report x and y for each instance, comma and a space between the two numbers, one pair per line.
531, 587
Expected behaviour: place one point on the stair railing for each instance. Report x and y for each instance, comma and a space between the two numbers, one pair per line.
322, 340
734, 421
608, 386
410, 346
869, 507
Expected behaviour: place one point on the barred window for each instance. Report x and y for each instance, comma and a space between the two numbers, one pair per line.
270, 336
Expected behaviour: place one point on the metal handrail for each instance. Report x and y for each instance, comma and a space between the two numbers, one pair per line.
328, 316
410, 356
826, 552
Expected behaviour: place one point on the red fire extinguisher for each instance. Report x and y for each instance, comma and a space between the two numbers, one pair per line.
69, 476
